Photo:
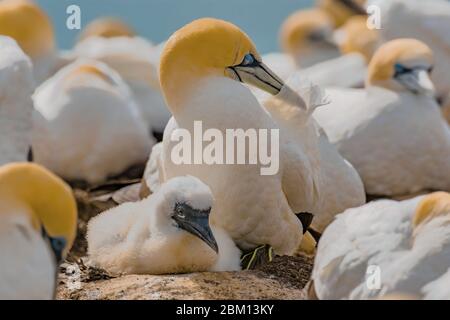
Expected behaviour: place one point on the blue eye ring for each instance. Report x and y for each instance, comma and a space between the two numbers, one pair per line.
248, 60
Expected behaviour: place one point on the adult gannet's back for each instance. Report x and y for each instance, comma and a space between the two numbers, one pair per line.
200, 70
86, 125
167, 232
408, 242
427, 21
25, 22
38, 217
131, 57
392, 131
16, 88
107, 27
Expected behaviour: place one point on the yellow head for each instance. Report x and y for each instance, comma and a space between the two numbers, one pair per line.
211, 48
431, 206
90, 70
446, 109
402, 65
28, 25
341, 10
305, 28
355, 36
49, 200
107, 28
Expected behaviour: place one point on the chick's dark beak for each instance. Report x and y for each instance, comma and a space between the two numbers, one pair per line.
196, 222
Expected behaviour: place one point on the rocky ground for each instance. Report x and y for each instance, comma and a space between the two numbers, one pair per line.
283, 278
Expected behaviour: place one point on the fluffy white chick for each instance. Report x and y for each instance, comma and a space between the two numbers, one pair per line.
168, 232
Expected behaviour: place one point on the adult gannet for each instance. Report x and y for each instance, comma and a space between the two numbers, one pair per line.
201, 69
386, 247
16, 88
392, 131
87, 125
131, 57
306, 35
427, 21
339, 185
38, 224
25, 22
168, 232
107, 27
341, 10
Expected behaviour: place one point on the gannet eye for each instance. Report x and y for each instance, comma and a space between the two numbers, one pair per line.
400, 69
249, 60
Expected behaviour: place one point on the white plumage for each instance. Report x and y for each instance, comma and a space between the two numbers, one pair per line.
16, 88
27, 267
336, 183
87, 125
411, 254
136, 60
144, 237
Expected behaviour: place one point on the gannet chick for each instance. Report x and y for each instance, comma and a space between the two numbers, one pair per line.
406, 244
86, 125
38, 224
201, 80
306, 36
132, 58
16, 88
392, 131
342, 10
30, 26
107, 27
168, 232
427, 21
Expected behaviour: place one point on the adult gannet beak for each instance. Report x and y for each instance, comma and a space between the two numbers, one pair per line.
417, 81
257, 74
196, 222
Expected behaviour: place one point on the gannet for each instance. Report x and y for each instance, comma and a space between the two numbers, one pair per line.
338, 184
87, 125
38, 224
392, 131
313, 49
427, 21
131, 57
306, 35
386, 247
107, 27
341, 10
25, 22
200, 77
168, 232
446, 109
16, 88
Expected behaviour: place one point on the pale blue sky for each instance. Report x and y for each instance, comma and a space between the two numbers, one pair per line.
157, 19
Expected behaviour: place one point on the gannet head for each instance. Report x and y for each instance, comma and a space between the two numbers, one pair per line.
431, 206
47, 199
306, 29
211, 48
25, 22
187, 205
341, 10
402, 65
107, 27
355, 36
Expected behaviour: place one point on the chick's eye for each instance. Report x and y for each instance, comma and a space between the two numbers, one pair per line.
249, 59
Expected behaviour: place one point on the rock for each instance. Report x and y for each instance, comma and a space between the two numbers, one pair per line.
288, 282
